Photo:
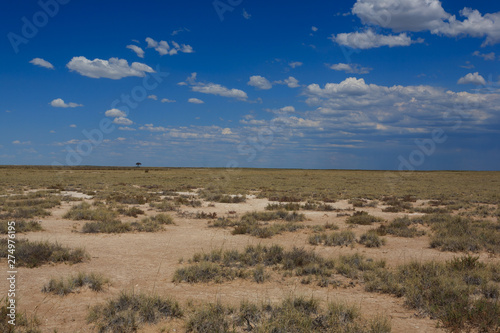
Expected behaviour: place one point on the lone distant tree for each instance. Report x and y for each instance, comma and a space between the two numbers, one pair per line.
138, 164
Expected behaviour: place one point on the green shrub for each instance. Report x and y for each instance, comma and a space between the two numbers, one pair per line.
129, 311
371, 239
400, 227
363, 218
84, 211
456, 233
110, 227
63, 286
34, 254
455, 292
342, 238
210, 318
21, 226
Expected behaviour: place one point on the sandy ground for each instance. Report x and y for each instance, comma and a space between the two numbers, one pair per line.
146, 262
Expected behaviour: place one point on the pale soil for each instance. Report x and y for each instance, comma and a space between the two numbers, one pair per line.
146, 262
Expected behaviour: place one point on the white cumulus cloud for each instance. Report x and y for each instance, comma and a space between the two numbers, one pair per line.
369, 39
428, 15
214, 89
472, 78
291, 82
163, 47
350, 68
137, 50
259, 82
115, 113
195, 101
113, 68
166, 100
59, 103
295, 64
42, 63
122, 121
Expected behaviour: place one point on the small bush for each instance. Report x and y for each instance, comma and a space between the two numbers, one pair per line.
363, 218
209, 318
280, 206
400, 227
63, 287
204, 272
129, 311
456, 233
21, 226
341, 238
132, 211
456, 292
371, 239
110, 227
34, 254
165, 206
84, 211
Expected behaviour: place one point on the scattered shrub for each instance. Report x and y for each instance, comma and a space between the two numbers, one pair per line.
363, 218
21, 226
34, 254
400, 227
371, 239
129, 311
341, 238
63, 287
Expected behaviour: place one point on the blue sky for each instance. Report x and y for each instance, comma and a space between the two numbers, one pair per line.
359, 84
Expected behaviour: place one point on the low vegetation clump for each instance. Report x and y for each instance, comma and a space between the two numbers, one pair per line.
326, 226
463, 294
341, 238
461, 234
219, 266
363, 218
187, 201
293, 314
23, 323
396, 205
218, 195
357, 202
27, 206
85, 211
401, 227
371, 239
129, 198
34, 254
61, 286
129, 311
130, 211
274, 215
165, 206
20, 226
147, 224
109, 227
290, 206
251, 223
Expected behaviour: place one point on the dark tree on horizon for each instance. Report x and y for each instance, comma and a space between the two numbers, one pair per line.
138, 164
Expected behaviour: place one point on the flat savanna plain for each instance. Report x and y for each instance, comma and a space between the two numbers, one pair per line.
258, 250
